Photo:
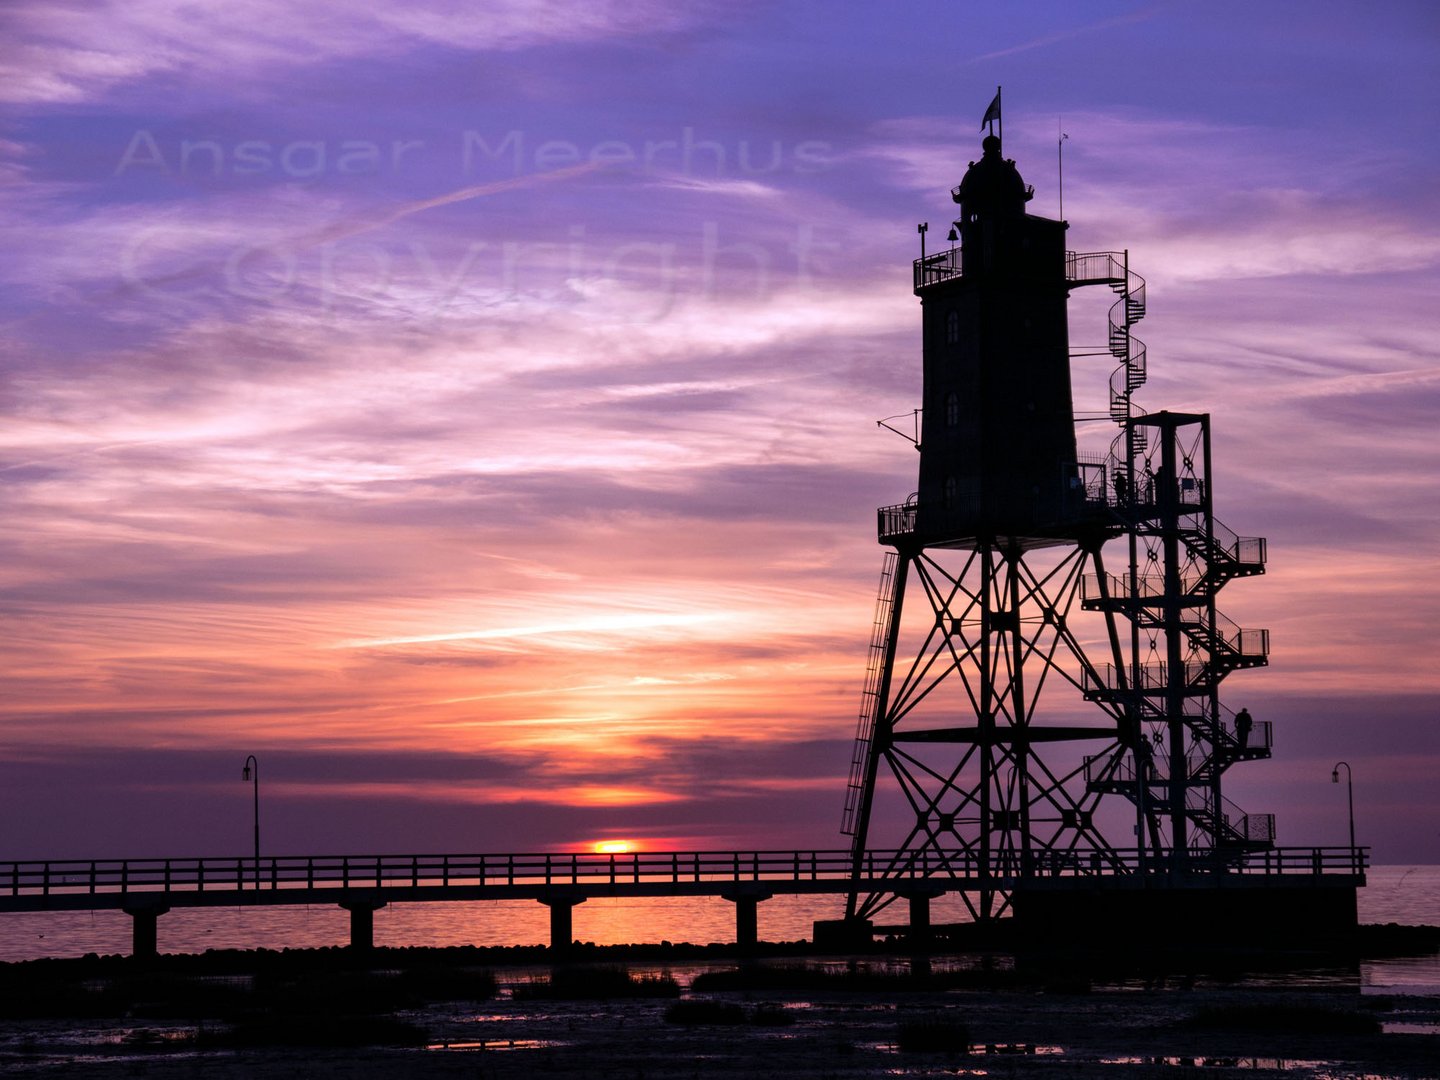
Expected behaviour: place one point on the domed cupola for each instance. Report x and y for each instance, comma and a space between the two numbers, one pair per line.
992, 186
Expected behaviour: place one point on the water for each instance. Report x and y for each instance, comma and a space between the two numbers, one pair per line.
604, 921
1409, 895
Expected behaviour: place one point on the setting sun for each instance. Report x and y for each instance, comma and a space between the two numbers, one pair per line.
612, 847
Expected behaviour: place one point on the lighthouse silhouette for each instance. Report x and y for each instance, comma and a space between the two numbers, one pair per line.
1041, 728
997, 440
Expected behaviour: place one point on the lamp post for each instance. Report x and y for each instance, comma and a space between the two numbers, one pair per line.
1350, 797
252, 773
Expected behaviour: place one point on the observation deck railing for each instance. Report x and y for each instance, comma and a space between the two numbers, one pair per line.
1081, 267
1095, 267
1082, 501
942, 266
1147, 587
1237, 645
1245, 551
896, 521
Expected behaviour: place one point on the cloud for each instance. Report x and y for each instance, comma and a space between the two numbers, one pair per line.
600, 624
583, 464
1071, 33
71, 52
1132, 178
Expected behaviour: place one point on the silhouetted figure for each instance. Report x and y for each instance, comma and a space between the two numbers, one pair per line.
1122, 489
1243, 724
1144, 760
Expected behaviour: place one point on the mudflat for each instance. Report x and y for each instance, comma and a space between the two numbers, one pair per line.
790, 1018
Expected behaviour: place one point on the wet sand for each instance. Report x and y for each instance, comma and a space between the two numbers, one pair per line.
1130, 1029
1121, 1033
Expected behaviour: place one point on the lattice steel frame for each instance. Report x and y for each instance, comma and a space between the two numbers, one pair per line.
1000, 627
999, 630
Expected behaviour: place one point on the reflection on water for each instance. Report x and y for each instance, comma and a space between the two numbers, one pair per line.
1409, 895
1406, 1028
1401, 975
1269, 1064
496, 1044
61, 1045
988, 1049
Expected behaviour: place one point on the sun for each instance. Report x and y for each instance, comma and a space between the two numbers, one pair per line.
613, 847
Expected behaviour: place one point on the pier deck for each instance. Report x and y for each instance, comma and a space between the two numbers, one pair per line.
148, 888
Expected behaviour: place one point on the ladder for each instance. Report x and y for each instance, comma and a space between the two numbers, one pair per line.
870, 695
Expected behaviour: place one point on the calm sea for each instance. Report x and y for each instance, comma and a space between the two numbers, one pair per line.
1408, 895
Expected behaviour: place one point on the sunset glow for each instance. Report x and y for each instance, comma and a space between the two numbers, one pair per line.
471, 411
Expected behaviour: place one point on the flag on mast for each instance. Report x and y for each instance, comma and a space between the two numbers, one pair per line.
993, 112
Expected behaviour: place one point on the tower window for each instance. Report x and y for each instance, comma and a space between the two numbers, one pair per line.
952, 328
950, 492
952, 409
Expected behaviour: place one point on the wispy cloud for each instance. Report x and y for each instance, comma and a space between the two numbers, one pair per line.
1045, 40
598, 624
72, 53
578, 464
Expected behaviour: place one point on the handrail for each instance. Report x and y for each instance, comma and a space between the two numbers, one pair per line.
1081, 267
893, 521
941, 266
1243, 553
339, 874
1153, 677
1094, 267
1241, 641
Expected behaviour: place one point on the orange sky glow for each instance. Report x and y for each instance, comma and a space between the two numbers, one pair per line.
530, 506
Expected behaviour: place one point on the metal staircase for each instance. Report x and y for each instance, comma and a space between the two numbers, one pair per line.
1226, 825
1128, 310
1180, 559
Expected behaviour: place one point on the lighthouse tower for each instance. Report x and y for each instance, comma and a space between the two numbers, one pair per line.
997, 444
1042, 700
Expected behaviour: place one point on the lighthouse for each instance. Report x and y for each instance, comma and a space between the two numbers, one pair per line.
997, 439
1042, 727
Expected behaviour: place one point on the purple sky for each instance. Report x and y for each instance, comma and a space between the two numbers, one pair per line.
469, 409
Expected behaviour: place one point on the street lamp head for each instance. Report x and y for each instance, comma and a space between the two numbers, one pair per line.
245, 775
1335, 775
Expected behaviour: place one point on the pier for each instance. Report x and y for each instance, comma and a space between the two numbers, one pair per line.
146, 889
